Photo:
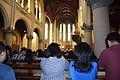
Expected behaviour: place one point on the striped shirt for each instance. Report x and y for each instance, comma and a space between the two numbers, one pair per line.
53, 68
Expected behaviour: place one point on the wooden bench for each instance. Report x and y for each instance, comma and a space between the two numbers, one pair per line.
25, 71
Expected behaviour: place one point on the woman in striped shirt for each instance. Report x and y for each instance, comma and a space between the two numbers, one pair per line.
54, 64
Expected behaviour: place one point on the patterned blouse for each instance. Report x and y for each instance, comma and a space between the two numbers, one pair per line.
53, 68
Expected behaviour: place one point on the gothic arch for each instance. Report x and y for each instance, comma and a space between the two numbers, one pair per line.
38, 31
5, 16
48, 18
37, 38
21, 30
27, 26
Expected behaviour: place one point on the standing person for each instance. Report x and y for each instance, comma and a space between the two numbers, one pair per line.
54, 64
83, 67
110, 57
6, 72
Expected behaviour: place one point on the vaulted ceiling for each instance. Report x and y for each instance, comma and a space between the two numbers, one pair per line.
62, 10
66, 11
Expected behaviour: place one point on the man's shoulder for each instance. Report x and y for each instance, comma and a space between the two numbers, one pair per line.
112, 48
5, 67
6, 72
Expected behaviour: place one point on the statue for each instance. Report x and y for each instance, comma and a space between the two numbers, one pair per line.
76, 38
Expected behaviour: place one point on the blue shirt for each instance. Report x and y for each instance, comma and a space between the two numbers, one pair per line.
6, 72
75, 75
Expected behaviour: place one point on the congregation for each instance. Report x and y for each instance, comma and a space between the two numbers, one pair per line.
81, 63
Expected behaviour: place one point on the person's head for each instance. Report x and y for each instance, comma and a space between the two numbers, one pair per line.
29, 55
8, 50
83, 53
53, 50
2, 52
40, 53
23, 49
112, 38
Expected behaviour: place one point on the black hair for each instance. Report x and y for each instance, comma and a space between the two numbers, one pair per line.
23, 49
106, 43
46, 53
2, 47
29, 56
40, 53
8, 55
83, 59
113, 36
53, 50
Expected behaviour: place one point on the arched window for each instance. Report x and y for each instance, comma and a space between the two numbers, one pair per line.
60, 31
69, 32
64, 32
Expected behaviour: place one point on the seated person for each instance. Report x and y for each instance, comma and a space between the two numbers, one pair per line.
83, 67
6, 72
54, 64
8, 59
21, 55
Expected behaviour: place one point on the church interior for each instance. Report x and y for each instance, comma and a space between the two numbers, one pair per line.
34, 24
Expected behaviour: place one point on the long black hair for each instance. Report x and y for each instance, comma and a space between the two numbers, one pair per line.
53, 50
83, 59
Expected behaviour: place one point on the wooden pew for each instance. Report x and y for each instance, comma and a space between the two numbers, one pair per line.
25, 71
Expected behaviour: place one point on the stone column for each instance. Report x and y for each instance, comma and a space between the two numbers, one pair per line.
29, 44
29, 6
36, 6
32, 6
40, 44
88, 33
58, 34
100, 24
55, 33
8, 36
51, 33
22, 3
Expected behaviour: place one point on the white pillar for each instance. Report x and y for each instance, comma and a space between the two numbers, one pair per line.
80, 20
29, 6
40, 11
36, 6
29, 45
13, 13
88, 32
80, 15
100, 24
88, 37
22, 3
50, 33
32, 6
55, 33
8, 36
